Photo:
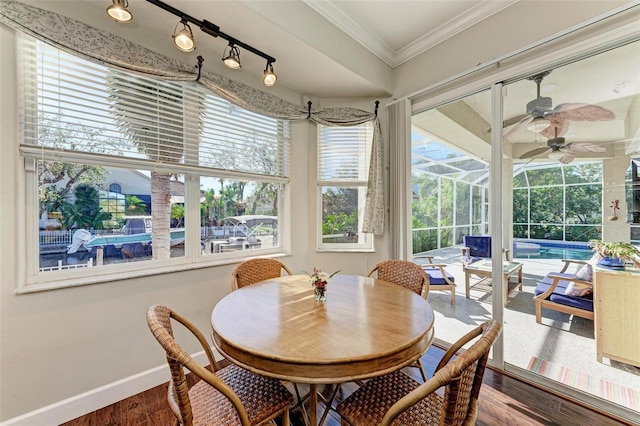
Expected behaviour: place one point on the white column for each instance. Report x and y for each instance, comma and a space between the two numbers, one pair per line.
613, 189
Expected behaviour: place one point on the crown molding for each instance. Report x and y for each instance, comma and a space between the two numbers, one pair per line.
479, 12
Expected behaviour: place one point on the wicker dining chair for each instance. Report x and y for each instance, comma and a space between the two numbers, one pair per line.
226, 396
408, 275
254, 270
397, 399
405, 273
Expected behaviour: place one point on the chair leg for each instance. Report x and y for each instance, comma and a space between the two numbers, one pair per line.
422, 373
453, 296
285, 417
538, 312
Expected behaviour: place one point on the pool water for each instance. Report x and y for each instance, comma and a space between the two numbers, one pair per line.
554, 251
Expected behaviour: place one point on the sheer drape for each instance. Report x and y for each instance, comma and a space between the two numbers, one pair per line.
113, 51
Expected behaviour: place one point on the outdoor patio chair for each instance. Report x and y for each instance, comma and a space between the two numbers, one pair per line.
254, 270
223, 396
398, 399
568, 292
478, 247
439, 278
408, 275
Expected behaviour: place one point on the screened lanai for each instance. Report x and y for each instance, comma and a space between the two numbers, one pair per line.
567, 174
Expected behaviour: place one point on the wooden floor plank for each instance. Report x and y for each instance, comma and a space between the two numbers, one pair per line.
504, 400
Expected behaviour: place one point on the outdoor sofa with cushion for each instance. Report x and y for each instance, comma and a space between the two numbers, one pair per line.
571, 293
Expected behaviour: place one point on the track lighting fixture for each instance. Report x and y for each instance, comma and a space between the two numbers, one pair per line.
183, 39
118, 11
269, 76
232, 58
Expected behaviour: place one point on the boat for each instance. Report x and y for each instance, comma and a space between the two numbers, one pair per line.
136, 230
251, 225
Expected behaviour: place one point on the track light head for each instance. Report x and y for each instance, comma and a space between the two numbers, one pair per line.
118, 11
269, 76
232, 58
183, 38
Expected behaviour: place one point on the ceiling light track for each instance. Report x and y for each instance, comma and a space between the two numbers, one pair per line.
184, 40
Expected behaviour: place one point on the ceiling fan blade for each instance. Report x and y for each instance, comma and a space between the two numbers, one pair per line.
584, 112
566, 158
520, 124
582, 147
514, 120
511, 121
534, 152
557, 128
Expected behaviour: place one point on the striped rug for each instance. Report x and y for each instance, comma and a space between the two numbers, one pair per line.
605, 389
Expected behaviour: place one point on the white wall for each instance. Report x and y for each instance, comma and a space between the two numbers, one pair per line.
60, 344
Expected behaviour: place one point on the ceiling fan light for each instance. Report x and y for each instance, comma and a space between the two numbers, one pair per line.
270, 77
118, 11
183, 39
555, 155
538, 124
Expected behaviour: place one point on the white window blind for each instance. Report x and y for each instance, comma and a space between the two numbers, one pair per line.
75, 106
344, 153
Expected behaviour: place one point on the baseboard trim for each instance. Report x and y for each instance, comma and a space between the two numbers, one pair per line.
95, 399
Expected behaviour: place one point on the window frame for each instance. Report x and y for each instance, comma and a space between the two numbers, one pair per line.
366, 243
33, 279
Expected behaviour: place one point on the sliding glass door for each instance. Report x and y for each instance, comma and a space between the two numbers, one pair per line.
566, 175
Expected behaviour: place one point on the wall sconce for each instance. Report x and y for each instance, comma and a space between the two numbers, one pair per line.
118, 11
183, 39
232, 58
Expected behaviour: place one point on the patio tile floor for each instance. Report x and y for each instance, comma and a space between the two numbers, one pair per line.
561, 338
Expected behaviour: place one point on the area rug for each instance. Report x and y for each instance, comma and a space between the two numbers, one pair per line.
620, 395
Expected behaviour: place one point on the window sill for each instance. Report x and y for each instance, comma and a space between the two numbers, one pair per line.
62, 279
345, 250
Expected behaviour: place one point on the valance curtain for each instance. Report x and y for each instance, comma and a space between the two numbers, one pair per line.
110, 50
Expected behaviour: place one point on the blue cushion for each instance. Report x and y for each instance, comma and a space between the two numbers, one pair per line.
436, 278
558, 296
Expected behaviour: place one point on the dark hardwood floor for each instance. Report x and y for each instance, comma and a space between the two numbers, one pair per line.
503, 401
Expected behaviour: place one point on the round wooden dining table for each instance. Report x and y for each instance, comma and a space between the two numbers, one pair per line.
365, 328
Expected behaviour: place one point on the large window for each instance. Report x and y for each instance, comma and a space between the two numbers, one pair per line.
132, 175
343, 170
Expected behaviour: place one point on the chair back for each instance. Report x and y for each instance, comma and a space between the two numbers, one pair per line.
462, 379
404, 273
159, 321
255, 270
478, 245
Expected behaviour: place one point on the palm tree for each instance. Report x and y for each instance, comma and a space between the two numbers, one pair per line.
144, 110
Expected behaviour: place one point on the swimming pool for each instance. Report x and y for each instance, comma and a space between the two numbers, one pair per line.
540, 249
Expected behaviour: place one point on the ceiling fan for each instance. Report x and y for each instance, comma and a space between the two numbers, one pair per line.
553, 122
562, 151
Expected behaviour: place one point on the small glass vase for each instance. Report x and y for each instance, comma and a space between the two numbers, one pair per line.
320, 293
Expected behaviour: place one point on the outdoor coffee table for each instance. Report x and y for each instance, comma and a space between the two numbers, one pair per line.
482, 269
